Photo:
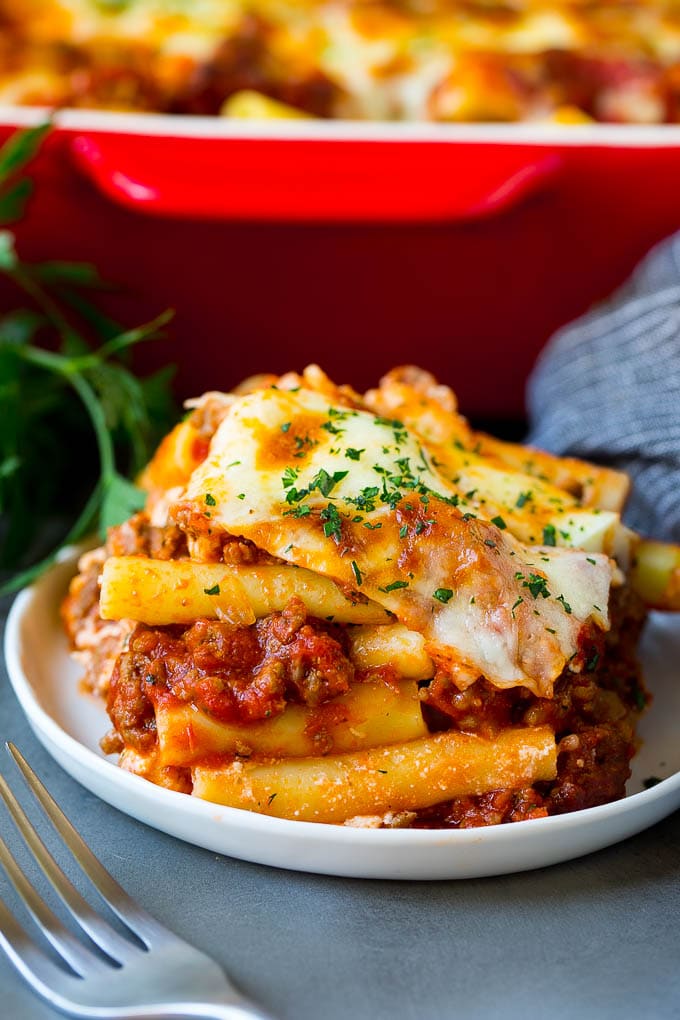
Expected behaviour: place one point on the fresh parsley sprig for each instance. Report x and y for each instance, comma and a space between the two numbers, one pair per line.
74, 420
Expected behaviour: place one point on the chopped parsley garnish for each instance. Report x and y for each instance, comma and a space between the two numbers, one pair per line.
298, 511
366, 498
390, 497
567, 607
285, 426
303, 444
270, 798
353, 454
241, 495
589, 559
523, 499
324, 482
499, 522
549, 535
332, 523
210, 500
449, 500
443, 595
536, 584
289, 477
333, 429
357, 573
372, 527
393, 423
215, 590
295, 495
403, 531
394, 586
592, 662
487, 541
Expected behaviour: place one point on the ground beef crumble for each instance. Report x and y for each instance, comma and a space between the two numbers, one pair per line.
236, 674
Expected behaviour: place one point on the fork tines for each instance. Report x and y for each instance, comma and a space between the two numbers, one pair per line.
151, 973
100, 931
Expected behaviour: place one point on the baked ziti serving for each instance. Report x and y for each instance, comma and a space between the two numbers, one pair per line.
355, 609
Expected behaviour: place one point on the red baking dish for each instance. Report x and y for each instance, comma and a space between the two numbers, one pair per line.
359, 246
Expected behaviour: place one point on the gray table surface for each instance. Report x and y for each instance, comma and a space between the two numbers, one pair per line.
598, 937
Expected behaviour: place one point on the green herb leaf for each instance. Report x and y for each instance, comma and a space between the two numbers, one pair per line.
20, 149
537, 585
394, 586
13, 200
121, 500
443, 595
325, 483
71, 394
8, 256
549, 535
332, 523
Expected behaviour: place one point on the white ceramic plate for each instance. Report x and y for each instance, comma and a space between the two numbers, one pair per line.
69, 725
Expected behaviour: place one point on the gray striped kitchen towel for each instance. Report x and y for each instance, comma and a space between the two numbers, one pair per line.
607, 388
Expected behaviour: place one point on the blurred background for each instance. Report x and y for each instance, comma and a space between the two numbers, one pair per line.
357, 183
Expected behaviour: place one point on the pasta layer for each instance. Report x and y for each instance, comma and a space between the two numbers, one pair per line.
395, 778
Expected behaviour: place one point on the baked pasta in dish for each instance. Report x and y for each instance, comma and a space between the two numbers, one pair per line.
354, 609
441, 60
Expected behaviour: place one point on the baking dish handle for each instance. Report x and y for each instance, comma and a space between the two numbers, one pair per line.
307, 180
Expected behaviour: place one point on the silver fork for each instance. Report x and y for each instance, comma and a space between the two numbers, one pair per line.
159, 976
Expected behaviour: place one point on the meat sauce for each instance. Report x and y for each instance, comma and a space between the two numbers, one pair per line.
245, 674
236, 674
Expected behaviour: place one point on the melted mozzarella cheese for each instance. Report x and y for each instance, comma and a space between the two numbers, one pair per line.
357, 498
